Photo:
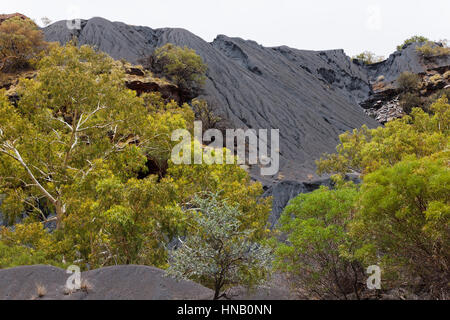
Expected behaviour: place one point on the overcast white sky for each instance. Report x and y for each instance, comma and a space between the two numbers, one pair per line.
353, 25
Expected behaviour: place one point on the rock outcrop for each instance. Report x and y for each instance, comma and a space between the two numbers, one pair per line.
143, 81
111, 283
383, 103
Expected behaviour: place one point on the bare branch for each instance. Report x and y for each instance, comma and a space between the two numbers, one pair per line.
18, 157
64, 122
81, 123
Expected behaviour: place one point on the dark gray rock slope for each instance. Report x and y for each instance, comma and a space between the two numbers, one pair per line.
311, 96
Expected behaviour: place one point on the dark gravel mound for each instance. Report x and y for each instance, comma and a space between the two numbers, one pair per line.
116, 283
140, 282
310, 96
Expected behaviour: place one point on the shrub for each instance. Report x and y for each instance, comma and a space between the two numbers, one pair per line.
218, 252
430, 49
408, 101
20, 42
205, 113
86, 286
368, 57
41, 290
447, 75
404, 218
435, 96
402, 213
408, 81
317, 254
413, 39
182, 66
17, 255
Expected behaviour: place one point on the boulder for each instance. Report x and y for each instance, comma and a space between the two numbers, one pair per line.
110, 283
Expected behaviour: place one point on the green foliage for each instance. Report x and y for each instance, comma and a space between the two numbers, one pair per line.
404, 218
401, 218
438, 94
409, 100
15, 256
72, 117
432, 49
28, 244
218, 252
124, 221
233, 184
436, 79
74, 112
413, 39
182, 66
318, 252
82, 151
408, 81
205, 113
72, 131
447, 75
21, 41
366, 150
368, 57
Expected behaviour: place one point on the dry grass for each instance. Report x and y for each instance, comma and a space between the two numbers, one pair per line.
41, 290
86, 286
67, 291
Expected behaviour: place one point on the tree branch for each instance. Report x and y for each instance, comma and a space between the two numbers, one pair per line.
19, 158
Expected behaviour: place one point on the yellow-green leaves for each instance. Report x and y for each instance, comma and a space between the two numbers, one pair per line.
404, 215
20, 43
318, 254
85, 152
400, 219
182, 66
232, 183
366, 150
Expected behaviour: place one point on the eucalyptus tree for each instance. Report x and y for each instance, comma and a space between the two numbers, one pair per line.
75, 116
